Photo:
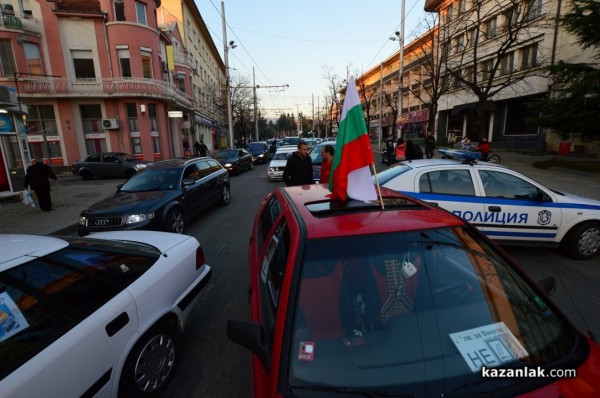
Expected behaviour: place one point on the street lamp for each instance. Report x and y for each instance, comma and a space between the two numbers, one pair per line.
226, 47
400, 38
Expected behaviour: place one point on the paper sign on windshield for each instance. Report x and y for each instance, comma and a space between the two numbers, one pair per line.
12, 320
489, 346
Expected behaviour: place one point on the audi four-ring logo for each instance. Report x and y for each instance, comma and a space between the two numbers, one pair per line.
102, 222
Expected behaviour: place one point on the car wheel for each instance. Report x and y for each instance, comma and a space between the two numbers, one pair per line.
582, 241
150, 364
175, 221
251, 166
86, 174
129, 173
225, 195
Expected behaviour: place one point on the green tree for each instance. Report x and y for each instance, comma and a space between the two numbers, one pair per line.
574, 101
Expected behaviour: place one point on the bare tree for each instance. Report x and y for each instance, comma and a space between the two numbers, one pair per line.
478, 48
242, 106
335, 84
366, 94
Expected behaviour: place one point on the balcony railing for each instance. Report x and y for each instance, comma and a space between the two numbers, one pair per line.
116, 87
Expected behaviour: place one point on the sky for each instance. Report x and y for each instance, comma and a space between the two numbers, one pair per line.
296, 42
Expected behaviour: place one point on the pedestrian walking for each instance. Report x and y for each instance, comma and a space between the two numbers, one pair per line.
413, 151
37, 177
400, 150
298, 170
389, 147
201, 148
429, 145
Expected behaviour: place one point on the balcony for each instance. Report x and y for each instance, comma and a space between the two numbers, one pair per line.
23, 22
119, 87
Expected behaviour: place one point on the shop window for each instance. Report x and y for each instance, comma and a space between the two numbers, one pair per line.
91, 123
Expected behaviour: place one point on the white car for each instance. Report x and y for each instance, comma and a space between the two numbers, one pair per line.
277, 164
97, 316
507, 206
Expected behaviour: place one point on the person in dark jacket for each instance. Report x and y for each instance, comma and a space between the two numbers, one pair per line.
37, 177
429, 145
413, 151
298, 170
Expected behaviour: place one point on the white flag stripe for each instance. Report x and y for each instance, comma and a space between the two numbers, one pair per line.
360, 185
351, 99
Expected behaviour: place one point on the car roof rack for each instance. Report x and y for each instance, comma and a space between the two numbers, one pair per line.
468, 157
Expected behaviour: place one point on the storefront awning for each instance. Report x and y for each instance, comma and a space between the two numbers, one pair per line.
203, 121
458, 109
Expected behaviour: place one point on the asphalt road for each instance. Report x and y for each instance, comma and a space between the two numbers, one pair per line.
212, 366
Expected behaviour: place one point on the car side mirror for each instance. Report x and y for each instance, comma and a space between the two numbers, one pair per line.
188, 182
548, 285
251, 336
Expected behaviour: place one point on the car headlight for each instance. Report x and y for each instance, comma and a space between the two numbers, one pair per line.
228, 164
82, 220
135, 218
261, 155
271, 169
140, 166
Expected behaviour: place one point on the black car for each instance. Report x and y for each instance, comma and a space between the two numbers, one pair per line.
235, 160
107, 164
259, 151
163, 197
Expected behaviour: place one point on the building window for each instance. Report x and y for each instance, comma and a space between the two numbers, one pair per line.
507, 64
534, 9
180, 81
462, 6
140, 12
34, 61
132, 119
153, 117
491, 27
119, 10
529, 56
91, 121
7, 59
486, 69
124, 63
147, 65
83, 64
460, 43
450, 13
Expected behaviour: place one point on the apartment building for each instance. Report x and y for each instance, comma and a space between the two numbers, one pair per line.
206, 76
492, 53
379, 87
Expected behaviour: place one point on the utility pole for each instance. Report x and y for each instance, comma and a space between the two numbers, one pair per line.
380, 104
299, 120
255, 105
313, 114
227, 76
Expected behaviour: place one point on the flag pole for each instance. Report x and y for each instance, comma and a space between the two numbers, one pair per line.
378, 187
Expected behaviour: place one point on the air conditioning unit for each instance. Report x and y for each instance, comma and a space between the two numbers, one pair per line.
110, 124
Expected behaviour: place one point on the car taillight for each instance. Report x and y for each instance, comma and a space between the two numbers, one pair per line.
200, 260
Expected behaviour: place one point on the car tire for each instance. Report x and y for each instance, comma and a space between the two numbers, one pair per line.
225, 195
129, 173
251, 166
175, 221
158, 348
86, 174
582, 241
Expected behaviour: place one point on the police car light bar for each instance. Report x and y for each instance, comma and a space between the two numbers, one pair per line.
459, 154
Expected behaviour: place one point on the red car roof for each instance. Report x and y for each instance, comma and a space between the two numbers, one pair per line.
354, 218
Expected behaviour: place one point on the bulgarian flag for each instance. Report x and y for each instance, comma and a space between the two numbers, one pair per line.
350, 172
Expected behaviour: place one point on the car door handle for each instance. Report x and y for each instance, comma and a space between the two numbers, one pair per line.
117, 324
495, 209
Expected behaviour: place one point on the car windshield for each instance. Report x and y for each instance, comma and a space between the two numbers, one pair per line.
392, 172
258, 146
418, 314
153, 180
229, 153
282, 155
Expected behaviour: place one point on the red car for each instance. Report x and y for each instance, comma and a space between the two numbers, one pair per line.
349, 299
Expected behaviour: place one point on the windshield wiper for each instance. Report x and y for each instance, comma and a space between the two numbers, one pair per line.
353, 391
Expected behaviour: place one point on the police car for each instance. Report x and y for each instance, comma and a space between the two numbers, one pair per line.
507, 206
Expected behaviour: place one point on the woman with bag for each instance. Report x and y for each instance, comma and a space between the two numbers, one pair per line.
37, 177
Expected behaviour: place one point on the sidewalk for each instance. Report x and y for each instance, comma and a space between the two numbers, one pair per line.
72, 195
67, 202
